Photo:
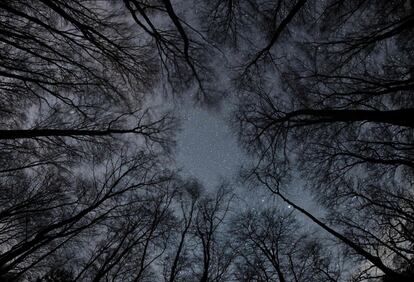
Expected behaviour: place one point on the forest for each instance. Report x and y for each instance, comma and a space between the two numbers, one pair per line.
319, 95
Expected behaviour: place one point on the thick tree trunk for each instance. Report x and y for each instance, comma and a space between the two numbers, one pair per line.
376, 261
35, 133
358, 249
401, 117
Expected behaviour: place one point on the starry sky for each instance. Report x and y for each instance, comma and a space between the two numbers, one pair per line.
207, 148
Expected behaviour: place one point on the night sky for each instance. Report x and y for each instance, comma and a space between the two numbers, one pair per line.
207, 148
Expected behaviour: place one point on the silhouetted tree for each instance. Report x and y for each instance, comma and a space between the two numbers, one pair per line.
332, 105
215, 254
272, 246
81, 145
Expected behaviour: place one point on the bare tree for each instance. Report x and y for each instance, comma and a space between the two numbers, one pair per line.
80, 142
215, 253
177, 261
199, 249
272, 246
50, 215
332, 105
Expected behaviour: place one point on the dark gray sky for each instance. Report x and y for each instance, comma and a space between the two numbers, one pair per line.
207, 149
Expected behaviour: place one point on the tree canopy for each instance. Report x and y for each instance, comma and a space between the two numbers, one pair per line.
321, 94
